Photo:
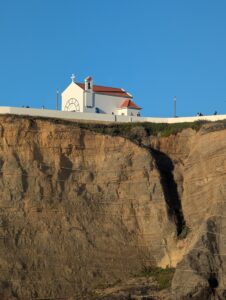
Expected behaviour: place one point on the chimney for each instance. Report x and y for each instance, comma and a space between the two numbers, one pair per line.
88, 84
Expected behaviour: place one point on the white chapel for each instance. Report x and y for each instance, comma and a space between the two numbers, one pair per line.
87, 97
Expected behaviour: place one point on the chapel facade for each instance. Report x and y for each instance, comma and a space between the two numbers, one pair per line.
87, 97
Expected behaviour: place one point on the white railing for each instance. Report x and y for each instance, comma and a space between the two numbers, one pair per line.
47, 113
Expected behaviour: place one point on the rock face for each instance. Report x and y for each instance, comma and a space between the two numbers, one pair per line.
199, 161
80, 210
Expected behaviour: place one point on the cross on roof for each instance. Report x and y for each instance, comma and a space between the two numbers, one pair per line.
73, 77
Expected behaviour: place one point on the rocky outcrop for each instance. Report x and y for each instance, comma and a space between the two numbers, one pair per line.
81, 211
78, 210
200, 173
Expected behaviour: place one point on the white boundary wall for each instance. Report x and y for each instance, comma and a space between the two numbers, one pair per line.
101, 117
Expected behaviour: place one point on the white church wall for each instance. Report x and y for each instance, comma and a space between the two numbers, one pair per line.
102, 117
88, 96
128, 111
73, 91
107, 104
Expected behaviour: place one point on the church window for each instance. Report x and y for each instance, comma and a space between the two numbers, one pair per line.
72, 105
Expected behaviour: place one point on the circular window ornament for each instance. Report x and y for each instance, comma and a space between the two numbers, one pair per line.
72, 105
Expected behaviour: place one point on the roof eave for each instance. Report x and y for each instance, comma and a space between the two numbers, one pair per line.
106, 94
138, 108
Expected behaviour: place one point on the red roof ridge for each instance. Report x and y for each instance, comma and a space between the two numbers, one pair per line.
112, 91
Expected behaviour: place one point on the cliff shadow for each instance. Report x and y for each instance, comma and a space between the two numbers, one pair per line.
173, 202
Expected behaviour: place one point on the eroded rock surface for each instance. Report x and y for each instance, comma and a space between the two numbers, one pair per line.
200, 174
78, 210
81, 211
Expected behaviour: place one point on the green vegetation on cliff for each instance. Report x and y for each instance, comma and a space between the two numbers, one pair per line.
138, 131
133, 131
163, 277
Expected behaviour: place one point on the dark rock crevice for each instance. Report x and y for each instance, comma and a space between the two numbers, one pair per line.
165, 167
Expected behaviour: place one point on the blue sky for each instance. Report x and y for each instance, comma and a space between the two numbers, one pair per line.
155, 49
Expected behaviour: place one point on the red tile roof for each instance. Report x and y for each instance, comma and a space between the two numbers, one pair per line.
105, 90
129, 104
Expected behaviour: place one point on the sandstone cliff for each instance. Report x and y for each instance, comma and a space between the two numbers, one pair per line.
199, 170
80, 210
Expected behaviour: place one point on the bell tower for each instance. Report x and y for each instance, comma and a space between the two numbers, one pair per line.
88, 92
